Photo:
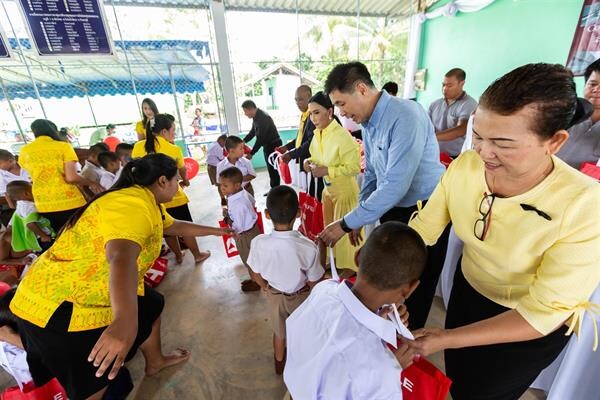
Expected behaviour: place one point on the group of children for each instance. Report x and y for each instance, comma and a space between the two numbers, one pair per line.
104, 166
321, 326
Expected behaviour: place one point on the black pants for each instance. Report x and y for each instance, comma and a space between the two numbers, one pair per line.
499, 371
274, 179
419, 302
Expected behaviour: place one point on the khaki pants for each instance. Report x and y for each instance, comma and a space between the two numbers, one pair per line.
243, 240
281, 306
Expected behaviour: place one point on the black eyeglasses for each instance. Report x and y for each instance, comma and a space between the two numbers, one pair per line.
482, 225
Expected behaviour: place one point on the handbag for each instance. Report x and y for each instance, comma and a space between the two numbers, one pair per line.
276, 161
157, 272
311, 212
50, 391
591, 169
229, 240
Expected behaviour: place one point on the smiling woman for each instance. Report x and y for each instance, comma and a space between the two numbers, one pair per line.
531, 250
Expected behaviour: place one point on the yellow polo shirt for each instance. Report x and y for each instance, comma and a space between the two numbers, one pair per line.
165, 147
75, 269
140, 129
546, 270
300, 134
45, 159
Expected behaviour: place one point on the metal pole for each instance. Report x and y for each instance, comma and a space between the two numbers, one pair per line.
174, 89
298, 38
216, 77
139, 107
35, 88
12, 109
357, 30
87, 96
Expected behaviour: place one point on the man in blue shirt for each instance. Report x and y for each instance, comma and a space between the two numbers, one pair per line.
402, 167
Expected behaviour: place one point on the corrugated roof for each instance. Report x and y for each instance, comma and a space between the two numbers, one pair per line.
368, 8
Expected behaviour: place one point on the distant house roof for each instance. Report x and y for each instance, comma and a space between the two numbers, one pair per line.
281, 68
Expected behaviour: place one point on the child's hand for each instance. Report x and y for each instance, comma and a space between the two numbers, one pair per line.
227, 232
45, 238
405, 354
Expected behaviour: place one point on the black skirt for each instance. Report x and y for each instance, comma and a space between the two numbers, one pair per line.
181, 213
499, 371
54, 352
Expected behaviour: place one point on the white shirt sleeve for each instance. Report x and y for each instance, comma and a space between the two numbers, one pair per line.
254, 255
250, 167
106, 181
314, 271
242, 214
219, 170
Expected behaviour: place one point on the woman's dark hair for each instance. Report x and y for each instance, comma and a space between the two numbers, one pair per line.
139, 171
44, 127
152, 106
323, 100
548, 88
7, 318
161, 121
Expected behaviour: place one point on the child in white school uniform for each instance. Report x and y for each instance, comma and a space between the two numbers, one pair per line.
214, 156
337, 339
111, 168
241, 216
286, 265
235, 158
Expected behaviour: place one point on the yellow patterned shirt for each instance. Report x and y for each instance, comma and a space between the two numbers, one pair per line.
45, 159
139, 129
75, 269
165, 147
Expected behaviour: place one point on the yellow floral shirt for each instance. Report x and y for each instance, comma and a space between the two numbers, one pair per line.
75, 269
165, 147
45, 159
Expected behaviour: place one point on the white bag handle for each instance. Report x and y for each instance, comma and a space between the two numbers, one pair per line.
273, 159
334, 274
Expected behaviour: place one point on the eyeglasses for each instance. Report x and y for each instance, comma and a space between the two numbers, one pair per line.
482, 225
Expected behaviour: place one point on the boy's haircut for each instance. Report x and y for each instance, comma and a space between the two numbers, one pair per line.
232, 141
393, 255
593, 67
391, 88
282, 204
7, 318
345, 77
105, 157
232, 174
6, 155
15, 189
222, 137
123, 147
458, 73
99, 148
249, 105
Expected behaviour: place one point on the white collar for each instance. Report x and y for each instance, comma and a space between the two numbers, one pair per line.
383, 328
91, 165
237, 195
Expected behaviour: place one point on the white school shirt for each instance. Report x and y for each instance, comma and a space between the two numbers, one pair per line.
14, 361
287, 260
91, 172
214, 155
7, 177
336, 348
107, 179
243, 164
240, 207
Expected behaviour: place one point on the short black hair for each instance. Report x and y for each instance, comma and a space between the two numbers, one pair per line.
222, 137
391, 88
110, 126
99, 148
232, 141
345, 77
282, 204
458, 73
393, 255
249, 104
232, 174
593, 67
15, 189
6, 155
105, 157
7, 318
121, 147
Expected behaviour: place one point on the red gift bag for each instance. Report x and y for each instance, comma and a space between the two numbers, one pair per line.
445, 159
591, 169
276, 162
311, 213
423, 381
50, 391
229, 241
157, 272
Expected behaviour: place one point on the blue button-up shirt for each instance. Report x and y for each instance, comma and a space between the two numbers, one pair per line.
402, 156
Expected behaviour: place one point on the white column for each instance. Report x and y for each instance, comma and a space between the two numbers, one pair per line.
217, 9
412, 56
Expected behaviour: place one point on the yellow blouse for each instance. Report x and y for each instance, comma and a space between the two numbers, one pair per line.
75, 269
336, 149
165, 147
546, 270
140, 129
45, 159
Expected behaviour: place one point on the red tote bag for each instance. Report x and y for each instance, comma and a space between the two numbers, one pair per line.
157, 272
423, 381
277, 163
311, 212
591, 169
50, 391
229, 241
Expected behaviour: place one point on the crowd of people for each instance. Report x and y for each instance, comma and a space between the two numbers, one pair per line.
81, 239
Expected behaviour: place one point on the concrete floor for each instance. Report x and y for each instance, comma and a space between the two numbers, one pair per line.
226, 330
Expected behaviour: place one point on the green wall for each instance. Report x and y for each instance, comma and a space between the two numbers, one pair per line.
495, 40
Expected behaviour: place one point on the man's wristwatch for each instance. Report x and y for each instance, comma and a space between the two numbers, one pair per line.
345, 226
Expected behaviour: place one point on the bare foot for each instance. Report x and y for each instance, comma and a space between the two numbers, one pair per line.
202, 256
178, 356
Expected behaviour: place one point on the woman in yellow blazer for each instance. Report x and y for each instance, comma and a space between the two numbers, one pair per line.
531, 232
83, 309
335, 157
149, 110
159, 139
52, 165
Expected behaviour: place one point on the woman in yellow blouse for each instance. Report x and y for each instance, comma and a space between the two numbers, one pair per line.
149, 110
160, 138
334, 156
531, 235
52, 165
82, 308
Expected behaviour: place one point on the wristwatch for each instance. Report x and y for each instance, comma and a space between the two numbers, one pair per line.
345, 226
